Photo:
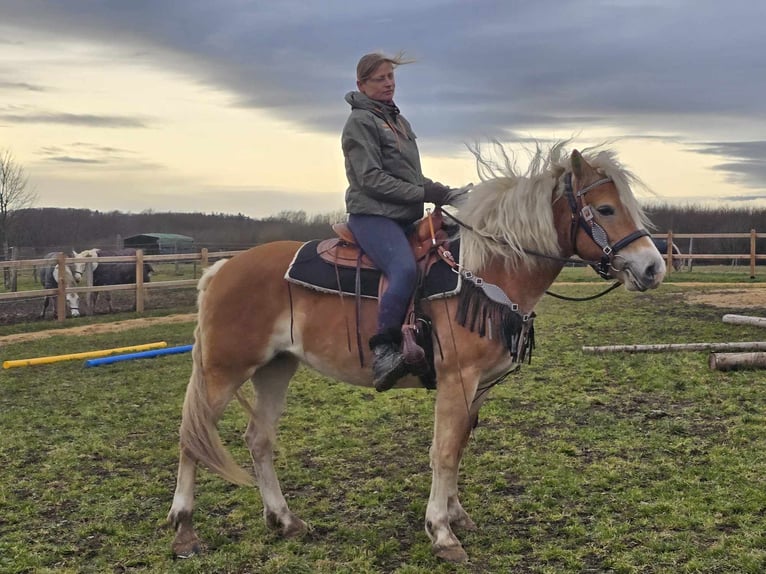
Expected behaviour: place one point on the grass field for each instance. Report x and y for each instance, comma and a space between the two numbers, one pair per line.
581, 463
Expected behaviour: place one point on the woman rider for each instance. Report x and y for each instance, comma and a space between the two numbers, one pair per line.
384, 198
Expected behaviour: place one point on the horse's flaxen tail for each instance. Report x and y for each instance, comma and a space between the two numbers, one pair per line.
199, 438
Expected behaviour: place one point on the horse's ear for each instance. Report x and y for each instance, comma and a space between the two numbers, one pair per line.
580, 167
576, 161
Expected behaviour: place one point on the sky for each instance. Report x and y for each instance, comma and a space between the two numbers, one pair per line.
236, 106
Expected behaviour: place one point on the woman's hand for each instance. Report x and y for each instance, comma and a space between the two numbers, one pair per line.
439, 194
436, 193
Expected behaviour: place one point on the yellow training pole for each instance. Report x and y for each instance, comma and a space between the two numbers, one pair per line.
85, 355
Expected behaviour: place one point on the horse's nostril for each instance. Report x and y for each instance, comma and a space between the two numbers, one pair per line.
651, 271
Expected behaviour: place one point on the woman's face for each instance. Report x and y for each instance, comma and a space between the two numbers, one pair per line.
380, 85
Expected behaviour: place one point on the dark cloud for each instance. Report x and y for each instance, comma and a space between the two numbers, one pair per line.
88, 120
483, 69
106, 157
745, 162
69, 159
20, 86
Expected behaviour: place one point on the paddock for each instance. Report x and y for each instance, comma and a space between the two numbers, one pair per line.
585, 463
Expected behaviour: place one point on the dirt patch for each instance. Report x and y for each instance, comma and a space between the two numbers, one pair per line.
99, 328
753, 298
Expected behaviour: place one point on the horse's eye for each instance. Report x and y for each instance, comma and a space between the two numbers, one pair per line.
605, 210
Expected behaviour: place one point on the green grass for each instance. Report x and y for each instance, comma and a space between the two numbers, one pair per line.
581, 463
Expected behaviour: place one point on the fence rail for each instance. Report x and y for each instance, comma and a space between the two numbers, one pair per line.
203, 257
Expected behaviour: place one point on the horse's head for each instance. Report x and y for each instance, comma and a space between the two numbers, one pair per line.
72, 299
79, 267
608, 224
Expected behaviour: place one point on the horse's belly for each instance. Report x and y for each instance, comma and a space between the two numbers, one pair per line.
351, 371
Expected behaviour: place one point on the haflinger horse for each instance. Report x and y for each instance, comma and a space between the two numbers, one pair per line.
517, 232
50, 276
117, 273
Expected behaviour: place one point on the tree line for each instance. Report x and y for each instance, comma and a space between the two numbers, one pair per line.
39, 230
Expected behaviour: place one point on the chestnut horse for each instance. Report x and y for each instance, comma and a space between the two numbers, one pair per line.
516, 233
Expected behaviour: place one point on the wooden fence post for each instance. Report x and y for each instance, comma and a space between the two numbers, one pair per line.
14, 286
203, 258
61, 297
89, 295
752, 253
669, 254
139, 280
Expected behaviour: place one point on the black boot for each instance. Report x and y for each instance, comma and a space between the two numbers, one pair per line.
388, 365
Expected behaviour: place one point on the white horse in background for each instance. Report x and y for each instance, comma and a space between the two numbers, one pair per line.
50, 276
117, 273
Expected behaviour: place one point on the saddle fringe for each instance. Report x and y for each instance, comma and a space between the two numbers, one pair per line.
479, 314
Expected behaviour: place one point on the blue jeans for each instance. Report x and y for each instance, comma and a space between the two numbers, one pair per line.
385, 242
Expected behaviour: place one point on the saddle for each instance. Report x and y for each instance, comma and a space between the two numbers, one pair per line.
343, 250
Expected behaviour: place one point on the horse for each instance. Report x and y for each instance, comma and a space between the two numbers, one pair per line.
676, 259
517, 231
118, 273
50, 275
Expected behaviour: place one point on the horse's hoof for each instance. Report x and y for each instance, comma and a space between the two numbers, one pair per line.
465, 523
289, 526
186, 548
295, 529
454, 554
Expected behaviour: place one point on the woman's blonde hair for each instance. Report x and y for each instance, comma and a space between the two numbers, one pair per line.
370, 62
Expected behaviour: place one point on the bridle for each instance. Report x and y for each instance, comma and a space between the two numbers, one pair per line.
583, 218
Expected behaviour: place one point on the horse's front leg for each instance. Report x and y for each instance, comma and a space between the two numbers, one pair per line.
452, 426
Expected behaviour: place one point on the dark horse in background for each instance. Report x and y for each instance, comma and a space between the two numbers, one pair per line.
50, 275
118, 273
662, 247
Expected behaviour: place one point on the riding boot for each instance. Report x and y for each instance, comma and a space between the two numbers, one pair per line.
388, 365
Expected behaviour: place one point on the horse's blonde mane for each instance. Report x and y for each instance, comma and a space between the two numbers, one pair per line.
514, 207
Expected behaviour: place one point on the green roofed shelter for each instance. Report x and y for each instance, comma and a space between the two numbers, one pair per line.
161, 243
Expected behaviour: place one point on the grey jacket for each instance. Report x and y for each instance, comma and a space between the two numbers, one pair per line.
382, 161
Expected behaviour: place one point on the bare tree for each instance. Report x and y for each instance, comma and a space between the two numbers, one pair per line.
14, 192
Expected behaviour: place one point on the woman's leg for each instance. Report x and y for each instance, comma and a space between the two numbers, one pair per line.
385, 242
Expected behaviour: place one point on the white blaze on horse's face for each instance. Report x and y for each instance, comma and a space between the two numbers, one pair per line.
640, 266
72, 299
79, 267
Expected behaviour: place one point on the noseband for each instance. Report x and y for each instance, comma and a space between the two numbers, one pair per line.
583, 218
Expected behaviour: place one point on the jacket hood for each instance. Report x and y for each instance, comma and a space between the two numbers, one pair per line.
358, 100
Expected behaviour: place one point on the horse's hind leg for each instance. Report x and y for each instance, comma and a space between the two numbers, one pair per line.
206, 399
186, 543
270, 383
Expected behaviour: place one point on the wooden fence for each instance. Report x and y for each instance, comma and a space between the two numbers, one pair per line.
204, 257
140, 288
753, 257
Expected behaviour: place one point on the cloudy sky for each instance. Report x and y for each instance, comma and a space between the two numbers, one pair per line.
236, 106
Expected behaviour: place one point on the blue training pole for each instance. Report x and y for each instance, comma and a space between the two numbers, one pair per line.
141, 355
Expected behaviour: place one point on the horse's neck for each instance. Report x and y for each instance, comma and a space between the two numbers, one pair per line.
523, 285
526, 285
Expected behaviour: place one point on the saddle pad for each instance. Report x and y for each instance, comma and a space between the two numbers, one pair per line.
310, 270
